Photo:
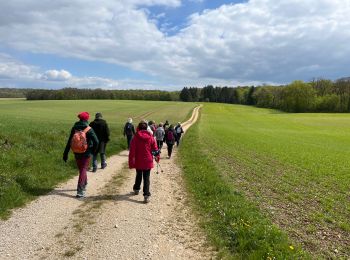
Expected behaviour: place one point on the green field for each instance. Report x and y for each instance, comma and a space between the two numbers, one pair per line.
252, 167
34, 133
267, 184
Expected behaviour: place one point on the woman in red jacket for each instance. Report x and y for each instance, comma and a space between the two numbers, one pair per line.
141, 158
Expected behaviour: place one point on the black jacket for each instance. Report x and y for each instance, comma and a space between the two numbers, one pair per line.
101, 129
129, 129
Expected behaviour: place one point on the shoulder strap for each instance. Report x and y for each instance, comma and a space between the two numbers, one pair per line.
86, 129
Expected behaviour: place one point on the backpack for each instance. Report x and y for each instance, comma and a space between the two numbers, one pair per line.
128, 129
178, 130
79, 142
170, 135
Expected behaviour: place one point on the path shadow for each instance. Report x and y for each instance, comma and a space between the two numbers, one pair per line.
63, 193
131, 197
115, 197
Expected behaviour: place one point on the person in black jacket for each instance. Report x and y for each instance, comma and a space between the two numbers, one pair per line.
82, 157
179, 131
129, 131
170, 138
101, 129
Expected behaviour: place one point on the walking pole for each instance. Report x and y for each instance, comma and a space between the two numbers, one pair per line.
161, 170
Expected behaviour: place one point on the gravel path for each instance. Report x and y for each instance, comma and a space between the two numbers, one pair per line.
111, 223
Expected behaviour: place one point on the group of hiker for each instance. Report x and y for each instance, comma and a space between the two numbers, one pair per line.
144, 145
163, 133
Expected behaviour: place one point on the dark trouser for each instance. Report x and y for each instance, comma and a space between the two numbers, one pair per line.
128, 139
178, 137
170, 149
83, 164
102, 152
160, 144
145, 174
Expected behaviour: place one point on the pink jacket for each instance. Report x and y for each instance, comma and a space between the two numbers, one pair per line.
140, 153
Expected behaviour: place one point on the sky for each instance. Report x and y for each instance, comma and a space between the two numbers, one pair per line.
170, 44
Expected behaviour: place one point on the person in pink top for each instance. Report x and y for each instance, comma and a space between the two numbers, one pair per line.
141, 158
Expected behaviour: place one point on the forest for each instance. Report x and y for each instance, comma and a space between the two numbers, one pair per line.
75, 94
319, 95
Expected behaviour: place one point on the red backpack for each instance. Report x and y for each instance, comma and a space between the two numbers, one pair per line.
170, 135
79, 142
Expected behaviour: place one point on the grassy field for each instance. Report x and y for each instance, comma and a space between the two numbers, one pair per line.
250, 167
34, 133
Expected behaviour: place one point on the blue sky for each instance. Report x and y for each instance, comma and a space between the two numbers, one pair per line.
169, 44
175, 19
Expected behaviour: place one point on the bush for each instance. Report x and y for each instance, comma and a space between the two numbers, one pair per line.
328, 103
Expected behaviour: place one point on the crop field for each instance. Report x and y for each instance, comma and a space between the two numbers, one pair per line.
271, 184
34, 134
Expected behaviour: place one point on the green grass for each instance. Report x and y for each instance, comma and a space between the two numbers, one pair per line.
250, 167
34, 133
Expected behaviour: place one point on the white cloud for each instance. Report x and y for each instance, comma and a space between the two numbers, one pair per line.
170, 3
105, 83
257, 41
268, 40
56, 75
11, 68
13, 73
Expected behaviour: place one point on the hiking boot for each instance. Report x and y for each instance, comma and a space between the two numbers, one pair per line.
94, 169
146, 199
104, 165
136, 192
80, 195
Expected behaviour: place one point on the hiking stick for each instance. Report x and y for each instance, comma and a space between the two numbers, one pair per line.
161, 170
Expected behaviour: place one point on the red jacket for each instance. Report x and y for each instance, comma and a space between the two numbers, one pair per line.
140, 153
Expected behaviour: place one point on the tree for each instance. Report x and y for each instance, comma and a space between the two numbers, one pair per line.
185, 95
195, 94
250, 97
298, 97
208, 93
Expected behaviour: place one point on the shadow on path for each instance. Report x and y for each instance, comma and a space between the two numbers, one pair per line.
63, 193
131, 197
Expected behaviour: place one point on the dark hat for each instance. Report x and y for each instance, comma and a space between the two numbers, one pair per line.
98, 115
142, 125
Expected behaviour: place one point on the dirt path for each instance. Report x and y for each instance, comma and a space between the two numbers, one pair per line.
110, 223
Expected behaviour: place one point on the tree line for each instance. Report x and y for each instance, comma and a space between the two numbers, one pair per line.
13, 92
319, 95
74, 93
